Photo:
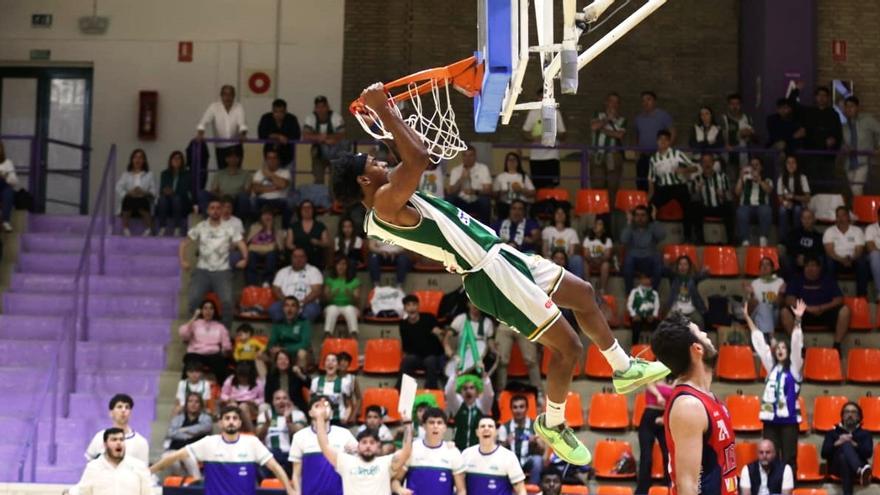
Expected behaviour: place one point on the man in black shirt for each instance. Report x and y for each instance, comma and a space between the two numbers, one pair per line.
422, 341
282, 127
803, 242
824, 133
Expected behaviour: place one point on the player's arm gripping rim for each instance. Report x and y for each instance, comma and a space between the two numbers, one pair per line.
687, 423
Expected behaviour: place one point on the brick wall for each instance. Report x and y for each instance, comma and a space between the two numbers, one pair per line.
686, 52
855, 22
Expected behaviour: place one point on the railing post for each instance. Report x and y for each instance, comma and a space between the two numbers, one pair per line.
53, 446
585, 167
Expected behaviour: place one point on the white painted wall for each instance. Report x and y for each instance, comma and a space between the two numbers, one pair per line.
139, 52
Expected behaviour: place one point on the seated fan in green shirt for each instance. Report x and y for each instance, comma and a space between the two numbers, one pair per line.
293, 333
342, 294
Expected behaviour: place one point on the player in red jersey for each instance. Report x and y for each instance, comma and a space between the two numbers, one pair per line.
702, 458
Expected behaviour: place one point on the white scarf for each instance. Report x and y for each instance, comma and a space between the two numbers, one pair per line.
774, 395
504, 231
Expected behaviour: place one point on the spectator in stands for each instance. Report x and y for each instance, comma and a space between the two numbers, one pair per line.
862, 133
505, 339
384, 254
233, 222
668, 174
470, 186
705, 134
326, 130
264, 244
136, 190
284, 375
684, 295
609, 129
802, 242
468, 398
551, 481
280, 126
188, 426
785, 133
845, 249
598, 249
823, 133
433, 469
847, 448
713, 198
194, 383
227, 117
824, 301
753, 191
249, 348
338, 390
322, 477
345, 373
349, 244
518, 435
872, 248
114, 471
421, 339
474, 332
207, 341
793, 189
302, 281
650, 431
491, 467
738, 131
8, 183
342, 293
212, 271
648, 124
270, 186
512, 184
433, 180
768, 474
521, 232
230, 181
643, 306
175, 194
560, 235
766, 294
309, 234
641, 239
243, 385
291, 333
138, 447
276, 424
784, 364
373, 421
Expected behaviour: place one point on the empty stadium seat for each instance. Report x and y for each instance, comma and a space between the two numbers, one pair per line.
592, 201
272, 483
504, 414
597, 366
532, 489
517, 367
608, 411
670, 212
574, 490
860, 313
809, 491
545, 363
736, 363
826, 411
628, 199
658, 467
438, 394
335, 346
744, 411
875, 466
658, 490
643, 351
721, 261
863, 365
429, 301
614, 490
253, 297
871, 412
638, 409
807, 463
804, 425
865, 208
382, 356
173, 481
746, 452
548, 193
672, 252
383, 397
574, 410
822, 364
605, 457
754, 255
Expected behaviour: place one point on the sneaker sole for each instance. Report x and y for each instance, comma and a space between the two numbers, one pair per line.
637, 383
540, 431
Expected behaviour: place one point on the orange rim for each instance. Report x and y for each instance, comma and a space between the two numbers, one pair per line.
465, 75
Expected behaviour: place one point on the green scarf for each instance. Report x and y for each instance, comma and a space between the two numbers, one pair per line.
467, 341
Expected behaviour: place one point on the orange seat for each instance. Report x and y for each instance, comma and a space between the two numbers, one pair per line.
744, 411
746, 453
438, 394
822, 364
735, 362
807, 463
545, 364
658, 490
672, 252
214, 298
382, 356
532, 489
628, 199
272, 483
547, 193
608, 411
504, 414
643, 351
614, 490
592, 201
605, 457
638, 409
754, 255
860, 313
611, 302
383, 397
574, 410
871, 413
809, 491
670, 212
658, 467
574, 490
380, 319
429, 301
335, 346
862, 365
826, 411
804, 425
517, 367
173, 481
256, 297
875, 466
865, 208
721, 261
597, 366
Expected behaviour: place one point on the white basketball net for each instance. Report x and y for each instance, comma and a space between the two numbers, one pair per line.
438, 130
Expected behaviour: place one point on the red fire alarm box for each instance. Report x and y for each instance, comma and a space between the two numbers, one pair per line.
147, 112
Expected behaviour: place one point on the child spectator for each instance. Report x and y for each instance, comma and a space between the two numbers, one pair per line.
683, 294
249, 348
264, 244
766, 294
643, 305
598, 252
194, 383
342, 293
373, 421
243, 385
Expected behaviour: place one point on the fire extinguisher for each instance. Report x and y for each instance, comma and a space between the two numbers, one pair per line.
149, 102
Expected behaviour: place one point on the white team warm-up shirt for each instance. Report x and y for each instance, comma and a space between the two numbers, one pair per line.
491, 474
230, 468
364, 478
318, 476
136, 446
431, 470
845, 244
129, 477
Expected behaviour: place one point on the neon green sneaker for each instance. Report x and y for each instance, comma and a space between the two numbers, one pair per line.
640, 372
564, 443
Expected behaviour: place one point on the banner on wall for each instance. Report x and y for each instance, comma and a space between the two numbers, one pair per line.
258, 82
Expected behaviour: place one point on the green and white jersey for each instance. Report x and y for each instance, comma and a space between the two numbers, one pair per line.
444, 233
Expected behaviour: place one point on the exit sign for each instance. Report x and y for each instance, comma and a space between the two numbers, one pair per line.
41, 20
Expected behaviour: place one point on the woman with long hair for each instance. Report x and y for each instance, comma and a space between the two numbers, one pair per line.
683, 294
598, 251
512, 184
136, 190
264, 243
207, 341
309, 234
175, 194
349, 244
287, 374
705, 134
243, 385
793, 190
560, 235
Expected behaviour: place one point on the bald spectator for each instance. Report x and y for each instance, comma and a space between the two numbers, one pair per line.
768, 475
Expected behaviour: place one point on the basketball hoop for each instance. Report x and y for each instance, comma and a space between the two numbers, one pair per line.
434, 121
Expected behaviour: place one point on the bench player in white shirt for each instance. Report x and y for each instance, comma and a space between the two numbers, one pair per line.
435, 467
306, 456
114, 472
120, 413
491, 468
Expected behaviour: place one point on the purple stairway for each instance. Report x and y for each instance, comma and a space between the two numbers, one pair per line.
131, 311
